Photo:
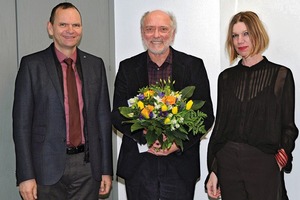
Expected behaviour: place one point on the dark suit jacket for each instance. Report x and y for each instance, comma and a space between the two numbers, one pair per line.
132, 75
39, 124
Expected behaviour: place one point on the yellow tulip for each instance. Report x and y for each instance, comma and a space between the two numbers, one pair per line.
189, 105
148, 94
175, 110
140, 105
164, 107
167, 120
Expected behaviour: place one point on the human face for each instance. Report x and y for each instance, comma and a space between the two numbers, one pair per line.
157, 33
66, 29
241, 40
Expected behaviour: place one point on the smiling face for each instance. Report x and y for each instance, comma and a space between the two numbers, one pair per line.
66, 30
157, 32
241, 40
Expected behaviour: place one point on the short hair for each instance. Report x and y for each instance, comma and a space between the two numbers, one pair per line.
172, 18
257, 33
64, 5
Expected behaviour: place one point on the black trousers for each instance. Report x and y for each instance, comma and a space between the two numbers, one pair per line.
247, 173
76, 183
284, 191
158, 179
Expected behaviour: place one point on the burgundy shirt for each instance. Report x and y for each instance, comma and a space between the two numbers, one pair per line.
155, 73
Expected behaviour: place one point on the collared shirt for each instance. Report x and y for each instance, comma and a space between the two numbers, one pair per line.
61, 58
155, 73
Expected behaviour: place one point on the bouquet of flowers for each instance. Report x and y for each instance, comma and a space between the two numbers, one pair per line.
167, 115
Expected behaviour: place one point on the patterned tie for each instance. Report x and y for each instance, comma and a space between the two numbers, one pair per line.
74, 113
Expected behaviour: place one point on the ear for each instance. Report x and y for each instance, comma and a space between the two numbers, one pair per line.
50, 29
173, 35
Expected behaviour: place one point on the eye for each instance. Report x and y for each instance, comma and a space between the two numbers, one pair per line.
149, 28
246, 33
62, 24
235, 36
164, 29
76, 25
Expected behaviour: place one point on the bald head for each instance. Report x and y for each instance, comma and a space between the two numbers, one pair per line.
159, 14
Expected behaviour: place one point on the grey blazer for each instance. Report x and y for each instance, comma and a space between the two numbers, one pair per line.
39, 124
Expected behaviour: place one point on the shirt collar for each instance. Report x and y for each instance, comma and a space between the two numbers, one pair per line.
61, 56
168, 59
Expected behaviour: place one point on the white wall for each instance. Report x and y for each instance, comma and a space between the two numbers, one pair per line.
202, 27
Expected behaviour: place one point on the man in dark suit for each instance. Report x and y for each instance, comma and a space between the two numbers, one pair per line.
49, 163
159, 174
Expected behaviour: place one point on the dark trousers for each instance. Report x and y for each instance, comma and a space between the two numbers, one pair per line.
246, 173
284, 192
76, 183
158, 179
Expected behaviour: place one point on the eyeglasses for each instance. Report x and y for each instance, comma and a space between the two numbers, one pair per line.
161, 29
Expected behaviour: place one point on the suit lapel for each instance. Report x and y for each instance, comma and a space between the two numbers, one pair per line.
53, 74
178, 71
142, 76
142, 72
83, 71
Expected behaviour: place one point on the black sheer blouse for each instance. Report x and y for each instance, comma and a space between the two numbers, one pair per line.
255, 106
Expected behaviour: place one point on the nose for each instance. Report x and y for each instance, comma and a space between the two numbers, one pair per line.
240, 38
156, 32
70, 28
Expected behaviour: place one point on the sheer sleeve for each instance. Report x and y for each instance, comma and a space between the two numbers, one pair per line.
289, 131
211, 161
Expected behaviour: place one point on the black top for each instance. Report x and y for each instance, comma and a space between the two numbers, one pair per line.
255, 106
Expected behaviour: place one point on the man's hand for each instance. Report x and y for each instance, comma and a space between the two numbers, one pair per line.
28, 189
105, 185
212, 189
156, 149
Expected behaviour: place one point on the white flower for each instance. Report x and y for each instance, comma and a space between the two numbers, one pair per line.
172, 128
132, 101
154, 115
170, 115
158, 99
181, 120
157, 106
173, 121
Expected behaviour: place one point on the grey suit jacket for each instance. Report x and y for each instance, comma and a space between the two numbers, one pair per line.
186, 70
39, 124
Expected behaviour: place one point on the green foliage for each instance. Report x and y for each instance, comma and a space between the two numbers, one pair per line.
167, 115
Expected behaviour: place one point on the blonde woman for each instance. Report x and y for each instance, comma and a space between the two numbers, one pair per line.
255, 133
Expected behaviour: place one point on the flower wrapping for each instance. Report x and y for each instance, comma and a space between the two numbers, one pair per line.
167, 115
